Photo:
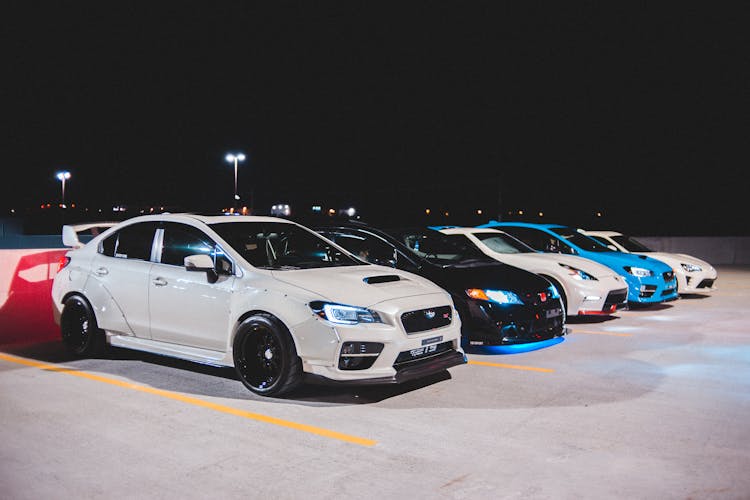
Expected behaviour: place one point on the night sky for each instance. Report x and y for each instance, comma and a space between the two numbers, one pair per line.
635, 109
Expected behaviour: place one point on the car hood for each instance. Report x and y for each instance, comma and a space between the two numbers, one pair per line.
551, 260
457, 279
675, 259
362, 286
618, 260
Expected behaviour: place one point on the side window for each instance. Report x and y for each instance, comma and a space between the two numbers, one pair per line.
181, 240
107, 247
131, 242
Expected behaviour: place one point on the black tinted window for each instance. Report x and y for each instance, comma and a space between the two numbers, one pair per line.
132, 242
181, 240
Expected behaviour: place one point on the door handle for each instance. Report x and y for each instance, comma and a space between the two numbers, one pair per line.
101, 271
159, 281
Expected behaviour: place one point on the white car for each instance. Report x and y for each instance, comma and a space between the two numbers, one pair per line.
694, 276
263, 294
586, 287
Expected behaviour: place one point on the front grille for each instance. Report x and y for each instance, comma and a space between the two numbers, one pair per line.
616, 298
668, 276
421, 353
426, 319
707, 283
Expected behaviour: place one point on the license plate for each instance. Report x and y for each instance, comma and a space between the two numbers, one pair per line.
432, 340
421, 351
553, 313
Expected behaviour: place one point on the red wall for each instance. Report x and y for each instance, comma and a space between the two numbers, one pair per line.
25, 300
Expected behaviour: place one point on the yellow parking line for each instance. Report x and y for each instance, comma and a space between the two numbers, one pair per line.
195, 401
515, 367
604, 333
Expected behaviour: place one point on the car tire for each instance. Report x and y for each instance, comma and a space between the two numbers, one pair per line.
561, 290
79, 330
265, 357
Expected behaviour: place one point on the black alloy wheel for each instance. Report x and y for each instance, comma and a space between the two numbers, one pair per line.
265, 357
79, 330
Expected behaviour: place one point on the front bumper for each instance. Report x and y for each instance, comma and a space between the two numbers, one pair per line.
487, 323
379, 353
702, 282
413, 371
650, 289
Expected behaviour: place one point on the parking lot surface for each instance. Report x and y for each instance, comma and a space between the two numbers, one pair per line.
653, 403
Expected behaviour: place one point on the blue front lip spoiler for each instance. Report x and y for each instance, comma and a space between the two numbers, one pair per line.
513, 348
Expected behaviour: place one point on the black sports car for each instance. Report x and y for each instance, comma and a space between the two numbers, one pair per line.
498, 304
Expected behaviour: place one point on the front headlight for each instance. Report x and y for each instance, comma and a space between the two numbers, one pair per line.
343, 314
577, 274
499, 296
639, 271
691, 268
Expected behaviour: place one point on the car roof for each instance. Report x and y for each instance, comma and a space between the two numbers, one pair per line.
206, 219
469, 230
494, 223
603, 233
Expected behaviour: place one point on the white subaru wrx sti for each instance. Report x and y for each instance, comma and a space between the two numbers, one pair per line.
266, 295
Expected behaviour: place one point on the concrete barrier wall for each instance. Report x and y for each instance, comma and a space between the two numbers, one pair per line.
717, 251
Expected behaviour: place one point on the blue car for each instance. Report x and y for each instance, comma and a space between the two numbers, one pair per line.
649, 280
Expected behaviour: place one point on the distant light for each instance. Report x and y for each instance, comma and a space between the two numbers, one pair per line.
63, 175
281, 209
350, 211
316, 208
479, 211
541, 214
598, 214
236, 197
331, 211
520, 212
427, 211
232, 157
447, 214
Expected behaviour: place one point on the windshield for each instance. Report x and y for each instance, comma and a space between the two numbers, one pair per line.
278, 245
436, 248
503, 243
631, 244
580, 240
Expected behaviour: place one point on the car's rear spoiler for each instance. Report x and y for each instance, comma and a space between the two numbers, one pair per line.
77, 235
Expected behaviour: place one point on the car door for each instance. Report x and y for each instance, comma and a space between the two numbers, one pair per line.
189, 307
118, 285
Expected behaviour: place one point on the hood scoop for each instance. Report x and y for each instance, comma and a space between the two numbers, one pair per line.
372, 280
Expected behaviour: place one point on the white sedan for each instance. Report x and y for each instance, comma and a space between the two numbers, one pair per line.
586, 287
694, 276
265, 295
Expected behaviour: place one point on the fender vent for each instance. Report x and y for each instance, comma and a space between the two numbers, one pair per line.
372, 280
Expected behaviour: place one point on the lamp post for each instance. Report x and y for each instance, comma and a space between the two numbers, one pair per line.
63, 176
235, 158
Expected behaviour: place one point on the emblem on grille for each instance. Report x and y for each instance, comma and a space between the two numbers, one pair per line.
429, 314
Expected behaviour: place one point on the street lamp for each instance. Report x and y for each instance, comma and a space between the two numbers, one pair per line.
235, 158
63, 176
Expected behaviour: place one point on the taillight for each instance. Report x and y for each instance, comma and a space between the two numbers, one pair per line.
62, 263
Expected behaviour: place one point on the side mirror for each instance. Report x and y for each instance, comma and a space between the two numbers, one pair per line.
202, 262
